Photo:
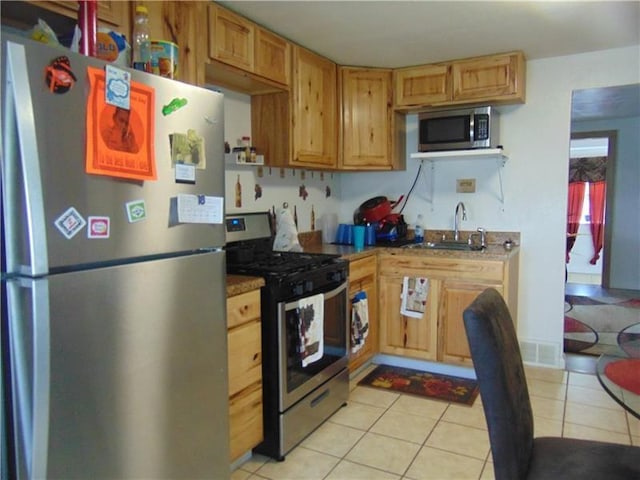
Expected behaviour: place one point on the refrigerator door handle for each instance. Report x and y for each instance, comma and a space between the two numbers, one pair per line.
30, 364
20, 106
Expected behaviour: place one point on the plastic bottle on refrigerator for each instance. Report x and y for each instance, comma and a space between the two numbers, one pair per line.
141, 42
418, 230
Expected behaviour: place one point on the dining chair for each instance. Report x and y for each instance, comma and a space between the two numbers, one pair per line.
505, 399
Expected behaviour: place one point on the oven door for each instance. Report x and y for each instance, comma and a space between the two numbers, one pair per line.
297, 380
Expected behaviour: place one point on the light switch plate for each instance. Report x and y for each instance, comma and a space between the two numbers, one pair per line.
466, 185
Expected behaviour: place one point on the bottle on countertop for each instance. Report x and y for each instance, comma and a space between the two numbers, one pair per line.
141, 40
313, 219
418, 230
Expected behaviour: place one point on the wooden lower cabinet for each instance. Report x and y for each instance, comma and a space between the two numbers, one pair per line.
403, 335
456, 295
245, 420
453, 284
363, 278
245, 372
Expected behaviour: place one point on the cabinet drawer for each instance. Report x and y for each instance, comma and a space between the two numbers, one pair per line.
244, 356
359, 269
245, 420
441, 268
243, 308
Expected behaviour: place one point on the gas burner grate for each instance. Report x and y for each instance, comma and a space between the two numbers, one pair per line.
282, 262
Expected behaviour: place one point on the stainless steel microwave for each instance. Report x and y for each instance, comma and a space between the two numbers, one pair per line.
459, 129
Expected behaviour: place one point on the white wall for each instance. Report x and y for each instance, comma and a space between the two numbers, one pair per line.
625, 217
536, 137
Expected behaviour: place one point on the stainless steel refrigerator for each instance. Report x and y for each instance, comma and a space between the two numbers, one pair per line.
113, 287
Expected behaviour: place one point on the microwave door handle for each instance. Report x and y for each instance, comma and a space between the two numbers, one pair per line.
22, 151
472, 129
30, 387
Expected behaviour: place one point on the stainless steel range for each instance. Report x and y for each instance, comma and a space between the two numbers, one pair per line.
304, 331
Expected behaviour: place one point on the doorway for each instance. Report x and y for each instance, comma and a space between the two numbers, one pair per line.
592, 158
601, 307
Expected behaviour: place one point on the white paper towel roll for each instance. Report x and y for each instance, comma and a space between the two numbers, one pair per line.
286, 239
329, 227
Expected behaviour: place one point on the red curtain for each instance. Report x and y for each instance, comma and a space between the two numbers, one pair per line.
597, 194
576, 198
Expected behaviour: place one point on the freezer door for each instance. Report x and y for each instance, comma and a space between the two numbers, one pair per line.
44, 175
122, 372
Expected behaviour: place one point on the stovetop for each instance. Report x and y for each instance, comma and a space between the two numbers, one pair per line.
275, 263
250, 249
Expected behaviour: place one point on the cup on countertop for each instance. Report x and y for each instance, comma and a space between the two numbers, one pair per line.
370, 235
358, 237
345, 234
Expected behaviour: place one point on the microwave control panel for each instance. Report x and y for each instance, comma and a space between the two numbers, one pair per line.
481, 126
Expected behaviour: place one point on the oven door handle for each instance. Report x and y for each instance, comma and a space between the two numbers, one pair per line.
335, 292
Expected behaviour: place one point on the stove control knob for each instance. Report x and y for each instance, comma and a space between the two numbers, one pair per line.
308, 285
297, 288
335, 276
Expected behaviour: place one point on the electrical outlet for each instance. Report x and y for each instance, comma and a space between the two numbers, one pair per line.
466, 185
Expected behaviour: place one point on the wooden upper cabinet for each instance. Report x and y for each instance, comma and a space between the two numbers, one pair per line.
114, 12
424, 85
314, 105
236, 41
231, 38
496, 78
272, 56
492, 79
180, 23
111, 13
366, 118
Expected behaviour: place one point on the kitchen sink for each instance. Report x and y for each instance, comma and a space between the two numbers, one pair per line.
461, 246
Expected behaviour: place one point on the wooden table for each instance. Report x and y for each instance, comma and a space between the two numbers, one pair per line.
628, 399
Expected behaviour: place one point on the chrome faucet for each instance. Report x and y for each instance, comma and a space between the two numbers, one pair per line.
456, 222
483, 237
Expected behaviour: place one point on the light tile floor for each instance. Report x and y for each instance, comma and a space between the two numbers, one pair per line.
382, 435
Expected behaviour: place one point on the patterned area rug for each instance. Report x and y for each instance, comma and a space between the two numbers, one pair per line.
426, 384
607, 326
624, 373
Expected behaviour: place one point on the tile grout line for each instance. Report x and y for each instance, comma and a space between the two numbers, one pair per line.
564, 406
424, 442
